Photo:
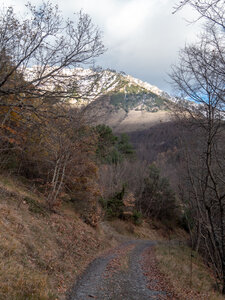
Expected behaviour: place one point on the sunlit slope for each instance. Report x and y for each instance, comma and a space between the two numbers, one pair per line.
132, 107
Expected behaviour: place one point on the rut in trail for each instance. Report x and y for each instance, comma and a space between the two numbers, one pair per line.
118, 275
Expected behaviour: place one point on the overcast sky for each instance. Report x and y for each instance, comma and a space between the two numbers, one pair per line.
143, 37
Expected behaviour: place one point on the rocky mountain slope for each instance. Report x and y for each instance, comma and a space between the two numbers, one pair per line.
121, 101
132, 105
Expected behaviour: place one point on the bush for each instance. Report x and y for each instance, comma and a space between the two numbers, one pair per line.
115, 205
137, 217
158, 199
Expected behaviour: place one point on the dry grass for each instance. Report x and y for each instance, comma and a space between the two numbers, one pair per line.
128, 230
175, 261
152, 230
41, 254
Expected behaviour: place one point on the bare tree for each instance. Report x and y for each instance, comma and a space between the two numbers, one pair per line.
200, 77
41, 56
112, 177
212, 10
58, 155
35, 52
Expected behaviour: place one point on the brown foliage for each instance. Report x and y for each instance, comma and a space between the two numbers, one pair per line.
129, 203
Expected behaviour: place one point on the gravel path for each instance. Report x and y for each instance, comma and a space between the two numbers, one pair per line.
118, 275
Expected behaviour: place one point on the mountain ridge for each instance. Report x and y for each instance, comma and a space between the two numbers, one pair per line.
121, 101
132, 105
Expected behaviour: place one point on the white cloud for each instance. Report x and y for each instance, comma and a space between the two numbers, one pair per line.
143, 37
128, 21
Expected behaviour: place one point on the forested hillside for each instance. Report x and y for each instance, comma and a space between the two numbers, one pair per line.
91, 157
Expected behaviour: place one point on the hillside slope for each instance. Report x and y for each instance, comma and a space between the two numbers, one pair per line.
42, 253
122, 119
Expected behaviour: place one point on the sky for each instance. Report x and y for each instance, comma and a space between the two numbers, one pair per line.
142, 37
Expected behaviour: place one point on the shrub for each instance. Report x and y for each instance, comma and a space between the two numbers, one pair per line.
158, 199
137, 217
115, 205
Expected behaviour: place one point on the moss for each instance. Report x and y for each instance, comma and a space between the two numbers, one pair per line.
35, 207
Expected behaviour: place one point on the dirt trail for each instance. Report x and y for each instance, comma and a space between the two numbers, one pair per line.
118, 275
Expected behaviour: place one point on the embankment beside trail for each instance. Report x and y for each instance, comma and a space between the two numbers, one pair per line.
41, 253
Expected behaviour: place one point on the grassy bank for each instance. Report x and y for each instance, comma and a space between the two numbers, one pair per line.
189, 276
41, 253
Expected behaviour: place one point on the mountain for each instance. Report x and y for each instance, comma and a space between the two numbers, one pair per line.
121, 101
132, 105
